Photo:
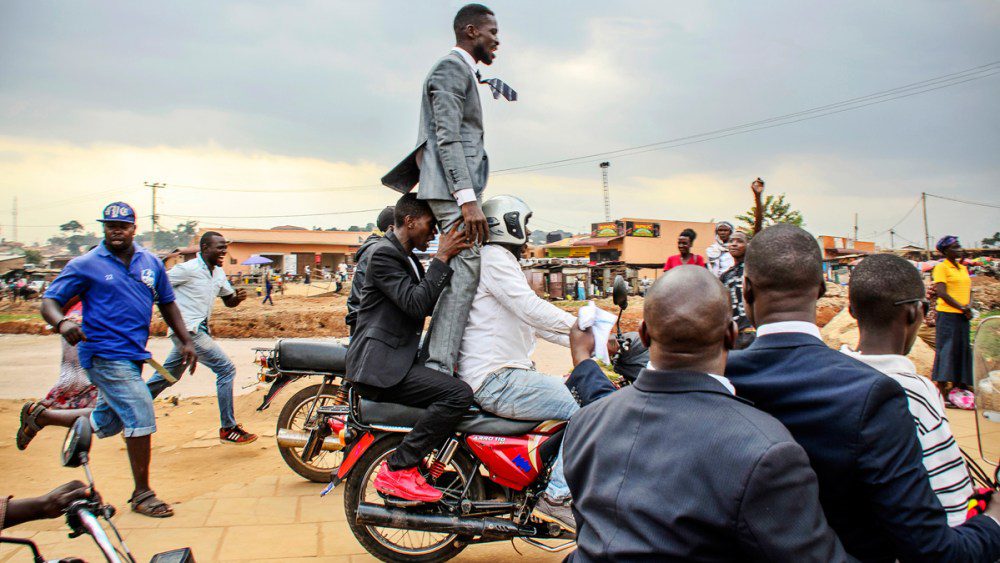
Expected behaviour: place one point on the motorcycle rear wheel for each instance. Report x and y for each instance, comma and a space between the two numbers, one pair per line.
293, 417
389, 544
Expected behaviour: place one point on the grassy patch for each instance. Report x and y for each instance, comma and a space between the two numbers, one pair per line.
7, 318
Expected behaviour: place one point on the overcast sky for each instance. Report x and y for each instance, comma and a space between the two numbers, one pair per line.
289, 99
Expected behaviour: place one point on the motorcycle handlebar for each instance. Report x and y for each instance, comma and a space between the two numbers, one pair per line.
82, 513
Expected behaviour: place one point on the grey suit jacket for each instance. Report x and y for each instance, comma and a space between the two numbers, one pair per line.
676, 468
449, 155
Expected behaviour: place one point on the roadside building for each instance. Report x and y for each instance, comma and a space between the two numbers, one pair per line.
290, 250
836, 247
642, 244
10, 262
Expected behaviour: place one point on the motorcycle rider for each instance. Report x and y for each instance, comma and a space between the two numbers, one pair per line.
361, 259
495, 357
382, 357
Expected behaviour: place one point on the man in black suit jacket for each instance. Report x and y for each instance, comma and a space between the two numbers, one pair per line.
851, 419
676, 467
381, 360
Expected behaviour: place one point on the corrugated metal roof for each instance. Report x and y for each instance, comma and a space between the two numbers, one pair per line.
271, 236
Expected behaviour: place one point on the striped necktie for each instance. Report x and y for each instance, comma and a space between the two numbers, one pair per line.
499, 87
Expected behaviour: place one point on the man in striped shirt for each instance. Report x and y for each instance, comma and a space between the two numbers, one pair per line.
887, 298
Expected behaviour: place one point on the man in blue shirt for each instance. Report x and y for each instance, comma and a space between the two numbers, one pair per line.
118, 282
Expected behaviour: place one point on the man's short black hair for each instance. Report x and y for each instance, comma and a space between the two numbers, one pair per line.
470, 14
207, 238
877, 283
385, 219
690, 234
410, 206
784, 258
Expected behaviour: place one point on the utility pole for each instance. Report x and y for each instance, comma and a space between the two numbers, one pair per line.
855, 229
607, 193
154, 218
13, 218
892, 239
927, 236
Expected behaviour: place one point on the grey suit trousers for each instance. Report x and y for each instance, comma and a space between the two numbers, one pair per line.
444, 336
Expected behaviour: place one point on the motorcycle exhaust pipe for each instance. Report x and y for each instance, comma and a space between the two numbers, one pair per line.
487, 528
294, 439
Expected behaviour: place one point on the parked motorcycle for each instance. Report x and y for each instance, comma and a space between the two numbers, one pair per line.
291, 360
85, 516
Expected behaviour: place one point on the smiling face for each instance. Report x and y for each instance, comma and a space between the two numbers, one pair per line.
118, 235
214, 250
422, 230
484, 39
684, 244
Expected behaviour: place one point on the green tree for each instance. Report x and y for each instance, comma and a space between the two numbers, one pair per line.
33, 257
992, 241
73, 226
776, 210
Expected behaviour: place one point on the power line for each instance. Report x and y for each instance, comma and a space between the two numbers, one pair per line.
965, 201
899, 92
915, 205
815, 113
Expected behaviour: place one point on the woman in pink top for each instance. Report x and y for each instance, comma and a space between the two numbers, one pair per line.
685, 258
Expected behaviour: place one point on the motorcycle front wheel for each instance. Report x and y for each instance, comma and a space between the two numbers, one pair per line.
393, 544
295, 416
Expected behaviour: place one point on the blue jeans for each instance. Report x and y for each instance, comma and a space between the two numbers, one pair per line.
212, 357
524, 394
123, 400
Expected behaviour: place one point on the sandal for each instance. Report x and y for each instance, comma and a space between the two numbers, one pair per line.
29, 424
148, 505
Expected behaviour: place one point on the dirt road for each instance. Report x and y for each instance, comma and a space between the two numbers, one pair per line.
233, 503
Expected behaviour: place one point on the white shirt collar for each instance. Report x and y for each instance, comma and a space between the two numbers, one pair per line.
885, 363
466, 57
725, 382
789, 326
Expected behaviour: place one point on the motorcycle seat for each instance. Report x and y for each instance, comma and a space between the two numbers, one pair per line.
301, 354
474, 422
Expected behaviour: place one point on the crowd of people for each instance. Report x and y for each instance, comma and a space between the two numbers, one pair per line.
744, 437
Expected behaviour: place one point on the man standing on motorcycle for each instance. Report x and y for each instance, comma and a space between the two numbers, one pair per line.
381, 361
495, 358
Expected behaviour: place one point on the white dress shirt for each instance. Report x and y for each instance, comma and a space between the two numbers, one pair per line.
468, 194
789, 326
505, 318
196, 288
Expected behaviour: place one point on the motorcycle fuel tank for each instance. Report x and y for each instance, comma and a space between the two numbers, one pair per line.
513, 461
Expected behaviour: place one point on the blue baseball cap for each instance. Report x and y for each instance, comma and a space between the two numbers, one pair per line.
118, 211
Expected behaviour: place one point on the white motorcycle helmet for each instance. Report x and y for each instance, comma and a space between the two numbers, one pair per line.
507, 217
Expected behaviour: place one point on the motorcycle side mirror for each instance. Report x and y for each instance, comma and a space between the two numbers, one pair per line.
76, 446
619, 293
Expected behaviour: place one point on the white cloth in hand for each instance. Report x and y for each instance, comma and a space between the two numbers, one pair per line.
600, 323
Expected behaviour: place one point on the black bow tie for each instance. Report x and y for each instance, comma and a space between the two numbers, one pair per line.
499, 87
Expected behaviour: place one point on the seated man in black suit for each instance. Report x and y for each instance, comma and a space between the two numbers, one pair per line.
851, 419
382, 358
676, 467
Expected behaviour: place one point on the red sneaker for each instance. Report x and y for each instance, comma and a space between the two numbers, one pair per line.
236, 435
407, 484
